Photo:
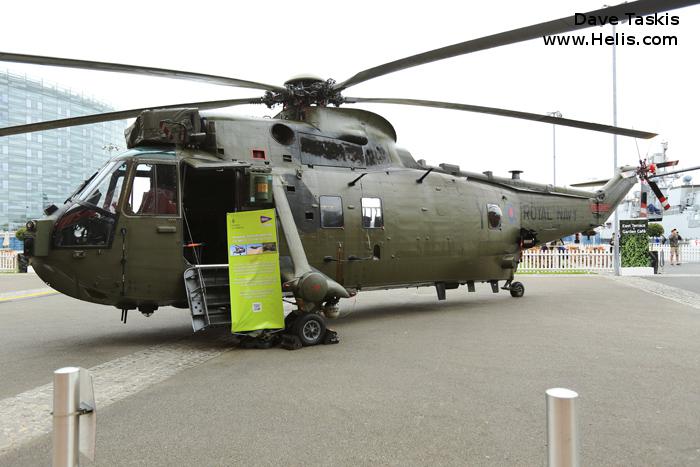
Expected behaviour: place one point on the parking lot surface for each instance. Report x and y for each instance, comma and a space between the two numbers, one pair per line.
414, 381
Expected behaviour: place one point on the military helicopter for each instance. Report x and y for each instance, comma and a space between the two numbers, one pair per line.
356, 211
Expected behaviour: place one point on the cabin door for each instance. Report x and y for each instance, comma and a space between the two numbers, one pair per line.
151, 234
210, 190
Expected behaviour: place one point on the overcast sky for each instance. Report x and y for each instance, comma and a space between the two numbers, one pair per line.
270, 41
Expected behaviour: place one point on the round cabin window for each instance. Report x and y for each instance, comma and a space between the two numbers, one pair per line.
494, 215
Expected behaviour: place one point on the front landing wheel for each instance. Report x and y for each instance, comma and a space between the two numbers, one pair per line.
517, 289
310, 328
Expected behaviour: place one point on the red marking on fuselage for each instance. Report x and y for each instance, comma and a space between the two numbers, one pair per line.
600, 207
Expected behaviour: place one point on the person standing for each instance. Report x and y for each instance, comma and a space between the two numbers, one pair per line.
673, 240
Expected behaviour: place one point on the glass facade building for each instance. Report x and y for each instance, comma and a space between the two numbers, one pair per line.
43, 168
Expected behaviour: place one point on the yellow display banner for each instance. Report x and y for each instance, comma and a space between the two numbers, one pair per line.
254, 271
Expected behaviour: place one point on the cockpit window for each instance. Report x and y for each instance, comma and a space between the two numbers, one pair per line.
154, 190
84, 226
91, 220
104, 189
81, 186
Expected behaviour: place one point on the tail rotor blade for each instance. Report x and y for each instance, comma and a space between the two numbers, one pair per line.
655, 188
666, 164
689, 169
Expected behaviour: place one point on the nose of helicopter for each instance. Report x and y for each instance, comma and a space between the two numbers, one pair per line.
47, 265
54, 276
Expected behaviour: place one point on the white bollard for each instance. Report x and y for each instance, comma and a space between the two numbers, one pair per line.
66, 402
562, 428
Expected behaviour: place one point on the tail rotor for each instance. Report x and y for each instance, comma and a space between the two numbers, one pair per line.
647, 171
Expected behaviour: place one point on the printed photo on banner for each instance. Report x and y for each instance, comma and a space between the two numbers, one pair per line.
237, 250
254, 249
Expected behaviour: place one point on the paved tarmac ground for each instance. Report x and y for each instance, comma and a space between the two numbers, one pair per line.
686, 276
414, 381
15, 282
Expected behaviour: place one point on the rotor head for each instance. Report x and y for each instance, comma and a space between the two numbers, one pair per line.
304, 79
303, 91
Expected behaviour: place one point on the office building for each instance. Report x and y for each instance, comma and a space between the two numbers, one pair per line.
43, 168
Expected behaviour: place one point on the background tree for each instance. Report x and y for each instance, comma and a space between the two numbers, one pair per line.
655, 230
19, 234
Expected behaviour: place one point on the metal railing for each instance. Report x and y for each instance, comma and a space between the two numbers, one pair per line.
566, 261
8, 261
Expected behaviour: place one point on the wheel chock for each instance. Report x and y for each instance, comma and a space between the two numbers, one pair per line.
256, 343
331, 337
290, 342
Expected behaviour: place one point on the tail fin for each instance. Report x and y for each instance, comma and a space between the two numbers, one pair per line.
615, 190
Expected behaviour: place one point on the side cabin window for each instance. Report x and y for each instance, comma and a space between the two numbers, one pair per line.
494, 215
372, 213
331, 212
153, 190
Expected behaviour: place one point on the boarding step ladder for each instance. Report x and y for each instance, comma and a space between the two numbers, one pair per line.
207, 287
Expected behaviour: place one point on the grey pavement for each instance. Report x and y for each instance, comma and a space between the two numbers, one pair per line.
683, 268
413, 381
685, 276
39, 335
12, 282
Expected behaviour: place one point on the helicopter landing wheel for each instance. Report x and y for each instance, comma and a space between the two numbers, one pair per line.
517, 289
310, 328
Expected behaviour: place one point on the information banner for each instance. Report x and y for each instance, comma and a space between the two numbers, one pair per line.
634, 243
254, 271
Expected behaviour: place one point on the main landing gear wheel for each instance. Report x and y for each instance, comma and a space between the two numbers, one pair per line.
310, 328
517, 289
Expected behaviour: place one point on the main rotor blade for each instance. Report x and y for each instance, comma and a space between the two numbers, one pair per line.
119, 115
689, 169
507, 113
135, 69
557, 26
592, 183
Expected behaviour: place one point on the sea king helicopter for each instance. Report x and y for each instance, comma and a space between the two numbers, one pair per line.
355, 211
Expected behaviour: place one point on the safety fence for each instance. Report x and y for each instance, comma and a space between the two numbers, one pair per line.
686, 253
566, 261
8, 261
600, 259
